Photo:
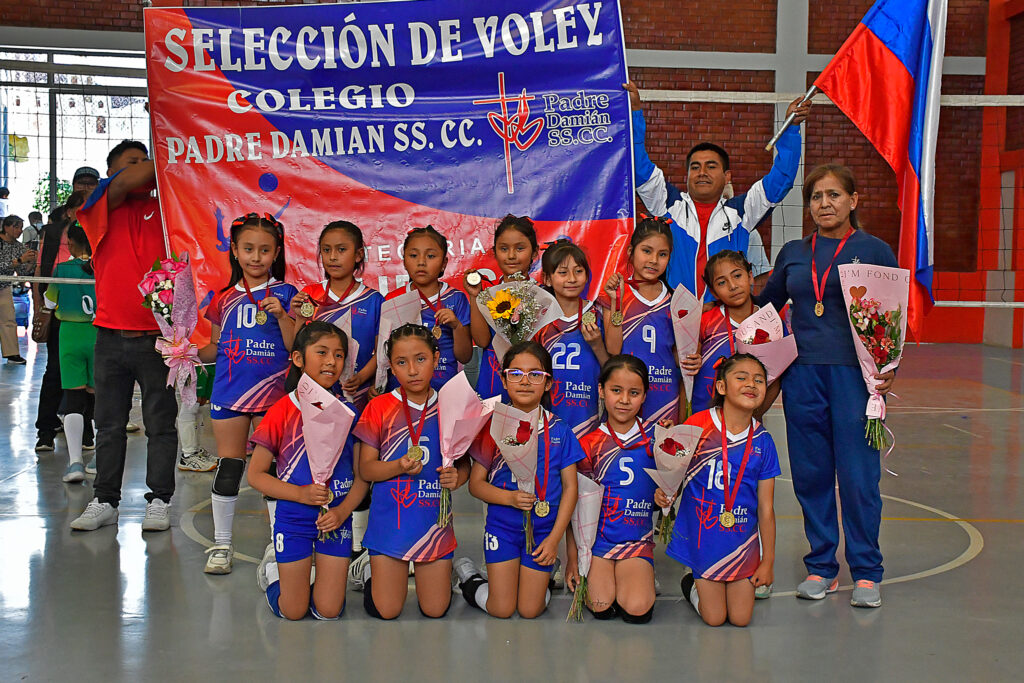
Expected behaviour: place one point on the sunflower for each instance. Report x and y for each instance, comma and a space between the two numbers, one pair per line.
503, 304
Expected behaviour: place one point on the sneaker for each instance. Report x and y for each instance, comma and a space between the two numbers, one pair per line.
44, 444
75, 472
686, 585
464, 569
219, 559
357, 569
200, 461
866, 594
763, 592
269, 555
95, 515
15, 360
89, 443
157, 516
815, 587
90, 469
131, 428
557, 576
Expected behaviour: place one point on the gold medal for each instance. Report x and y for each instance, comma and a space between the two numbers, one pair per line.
617, 318
261, 317
307, 310
819, 309
542, 508
436, 331
473, 278
415, 453
330, 497
589, 318
727, 519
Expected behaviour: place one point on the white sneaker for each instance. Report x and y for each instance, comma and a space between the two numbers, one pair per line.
269, 555
464, 569
74, 473
357, 569
200, 461
157, 516
763, 592
219, 560
557, 575
95, 515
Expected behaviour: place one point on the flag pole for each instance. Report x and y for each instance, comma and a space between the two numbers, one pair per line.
789, 120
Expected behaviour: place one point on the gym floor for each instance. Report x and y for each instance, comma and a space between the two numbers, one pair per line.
115, 604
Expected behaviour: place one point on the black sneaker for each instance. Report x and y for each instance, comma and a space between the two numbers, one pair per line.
44, 443
15, 360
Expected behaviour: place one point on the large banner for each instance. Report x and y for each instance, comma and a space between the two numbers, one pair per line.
392, 115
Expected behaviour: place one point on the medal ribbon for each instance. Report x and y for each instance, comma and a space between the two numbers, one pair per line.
645, 442
248, 292
432, 306
819, 293
729, 331
542, 488
414, 435
579, 316
730, 500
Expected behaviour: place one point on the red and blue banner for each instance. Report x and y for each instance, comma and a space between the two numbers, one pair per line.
887, 78
392, 115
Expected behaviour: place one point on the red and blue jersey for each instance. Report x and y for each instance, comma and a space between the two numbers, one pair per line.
280, 432
717, 341
561, 451
574, 391
626, 528
455, 301
364, 303
252, 359
698, 539
647, 334
404, 510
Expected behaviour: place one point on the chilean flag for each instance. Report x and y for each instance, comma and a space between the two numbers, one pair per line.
887, 78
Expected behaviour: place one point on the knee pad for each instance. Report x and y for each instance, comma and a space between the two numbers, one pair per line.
637, 618
605, 614
469, 588
229, 476
76, 401
368, 604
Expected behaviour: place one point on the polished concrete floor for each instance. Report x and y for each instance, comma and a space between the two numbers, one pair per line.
119, 605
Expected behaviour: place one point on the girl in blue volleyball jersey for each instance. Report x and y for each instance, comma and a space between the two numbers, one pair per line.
574, 341
252, 335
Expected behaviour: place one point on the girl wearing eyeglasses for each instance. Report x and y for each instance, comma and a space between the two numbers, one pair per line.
518, 579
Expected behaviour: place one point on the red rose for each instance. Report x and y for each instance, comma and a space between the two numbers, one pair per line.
879, 332
761, 336
523, 433
682, 313
670, 446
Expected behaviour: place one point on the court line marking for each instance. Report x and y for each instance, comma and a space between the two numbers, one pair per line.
961, 430
18, 473
1003, 360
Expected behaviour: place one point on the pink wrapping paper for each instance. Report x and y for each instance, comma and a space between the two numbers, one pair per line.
351, 353
404, 308
585, 519
765, 318
673, 449
890, 287
179, 353
776, 354
461, 416
521, 458
550, 311
326, 422
686, 314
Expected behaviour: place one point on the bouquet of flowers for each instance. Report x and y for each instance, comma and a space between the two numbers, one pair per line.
673, 449
403, 309
351, 353
461, 419
170, 293
686, 314
326, 422
879, 327
585, 519
761, 335
515, 434
516, 310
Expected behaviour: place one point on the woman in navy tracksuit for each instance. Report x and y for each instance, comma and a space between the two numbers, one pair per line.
825, 394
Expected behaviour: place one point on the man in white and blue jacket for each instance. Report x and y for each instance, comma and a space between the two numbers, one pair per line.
703, 221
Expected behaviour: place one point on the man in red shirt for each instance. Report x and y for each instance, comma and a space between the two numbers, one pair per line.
123, 222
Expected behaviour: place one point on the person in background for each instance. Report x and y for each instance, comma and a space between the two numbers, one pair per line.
14, 258
4, 194
53, 249
30, 237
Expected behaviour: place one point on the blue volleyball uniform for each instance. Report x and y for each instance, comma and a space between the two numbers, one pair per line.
454, 300
364, 303
699, 540
404, 510
295, 533
627, 511
504, 537
252, 359
647, 334
574, 396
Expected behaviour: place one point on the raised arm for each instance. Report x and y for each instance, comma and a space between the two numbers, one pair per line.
133, 177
